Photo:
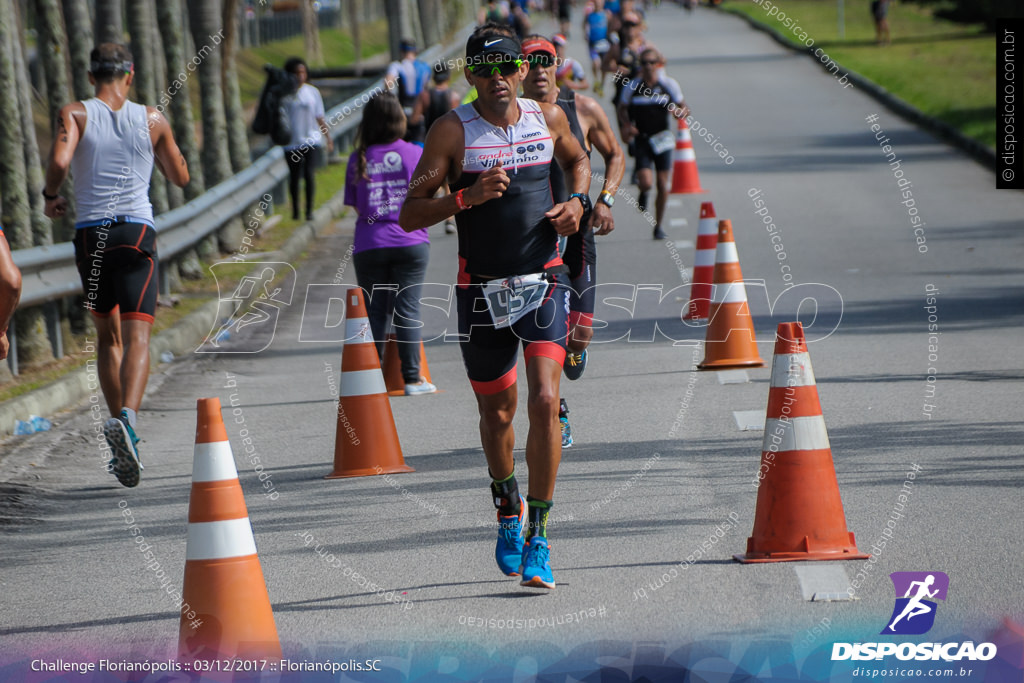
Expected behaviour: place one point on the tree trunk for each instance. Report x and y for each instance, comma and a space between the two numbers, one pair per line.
76, 19
176, 102
33, 342
398, 25
42, 229
109, 21
238, 141
175, 195
141, 27
354, 10
207, 34
432, 20
311, 33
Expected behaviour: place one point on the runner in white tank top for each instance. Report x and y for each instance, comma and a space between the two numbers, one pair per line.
110, 146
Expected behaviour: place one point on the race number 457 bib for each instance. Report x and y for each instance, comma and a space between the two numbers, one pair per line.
509, 299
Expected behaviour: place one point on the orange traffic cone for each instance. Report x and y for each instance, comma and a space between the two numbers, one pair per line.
366, 441
703, 264
226, 612
799, 514
685, 179
729, 341
393, 379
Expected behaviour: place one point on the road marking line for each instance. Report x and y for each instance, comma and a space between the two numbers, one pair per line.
684, 244
674, 202
823, 582
678, 222
733, 377
749, 420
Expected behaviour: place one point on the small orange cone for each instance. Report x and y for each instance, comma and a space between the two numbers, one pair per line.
226, 611
685, 179
729, 341
393, 379
799, 514
703, 264
366, 441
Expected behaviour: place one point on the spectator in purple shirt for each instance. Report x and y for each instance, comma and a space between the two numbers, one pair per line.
390, 262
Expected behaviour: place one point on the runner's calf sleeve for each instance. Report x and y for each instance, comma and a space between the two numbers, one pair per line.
505, 494
537, 514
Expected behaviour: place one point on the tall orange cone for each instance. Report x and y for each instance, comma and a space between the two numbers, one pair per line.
366, 441
685, 179
224, 584
703, 264
799, 514
393, 379
729, 341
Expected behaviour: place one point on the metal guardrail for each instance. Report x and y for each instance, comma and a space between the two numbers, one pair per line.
49, 272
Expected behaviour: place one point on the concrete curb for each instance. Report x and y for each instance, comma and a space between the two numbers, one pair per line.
180, 339
985, 156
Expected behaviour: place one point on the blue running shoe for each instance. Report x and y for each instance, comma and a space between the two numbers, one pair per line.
125, 464
574, 364
535, 569
508, 551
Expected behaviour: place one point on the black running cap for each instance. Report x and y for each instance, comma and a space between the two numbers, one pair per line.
494, 44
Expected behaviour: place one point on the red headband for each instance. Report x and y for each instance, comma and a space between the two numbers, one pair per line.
538, 45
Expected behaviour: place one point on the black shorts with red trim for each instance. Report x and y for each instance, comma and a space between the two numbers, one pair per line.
490, 354
118, 267
581, 258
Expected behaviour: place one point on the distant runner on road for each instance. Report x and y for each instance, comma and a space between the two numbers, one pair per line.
110, 145
10, 292
496, 153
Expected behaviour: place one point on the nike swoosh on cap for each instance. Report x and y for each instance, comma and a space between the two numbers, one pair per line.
488, 43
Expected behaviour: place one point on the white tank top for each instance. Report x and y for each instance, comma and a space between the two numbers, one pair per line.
112, 166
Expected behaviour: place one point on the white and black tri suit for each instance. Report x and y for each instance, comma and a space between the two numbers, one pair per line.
506, 237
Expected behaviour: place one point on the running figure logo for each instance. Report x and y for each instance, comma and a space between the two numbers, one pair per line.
914, 614
256, 301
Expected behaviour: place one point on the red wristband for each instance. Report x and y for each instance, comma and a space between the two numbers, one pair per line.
460, 202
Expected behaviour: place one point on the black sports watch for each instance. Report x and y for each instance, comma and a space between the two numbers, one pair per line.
584, 200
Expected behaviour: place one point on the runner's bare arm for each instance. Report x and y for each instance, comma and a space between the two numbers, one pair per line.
602, 138
421, 209
10, 292
565, 217
65, 141
166, 155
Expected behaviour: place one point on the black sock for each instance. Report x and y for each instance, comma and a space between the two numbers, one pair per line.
537, 513
563, 408
505, 494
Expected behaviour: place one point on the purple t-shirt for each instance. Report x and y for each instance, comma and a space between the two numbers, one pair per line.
378, 200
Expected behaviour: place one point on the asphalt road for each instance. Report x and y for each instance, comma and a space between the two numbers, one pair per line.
654, 472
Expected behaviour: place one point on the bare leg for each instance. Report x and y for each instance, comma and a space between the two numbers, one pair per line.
496, 433
108, 359
135, 364
544, 441
662, 198
579, 338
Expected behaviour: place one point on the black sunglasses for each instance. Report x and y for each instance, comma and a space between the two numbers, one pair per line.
543, 61
648, 62
505, 68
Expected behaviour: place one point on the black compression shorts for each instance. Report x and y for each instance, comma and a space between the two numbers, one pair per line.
118, 267
581, 258
490, 354
646, 158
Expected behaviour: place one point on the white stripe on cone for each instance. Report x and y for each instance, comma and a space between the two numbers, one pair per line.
726, 252
704, 257
795, 434
357, 331
792, 370
683, 135
219, 540
213, 462
362, 383
729, 293
685, 155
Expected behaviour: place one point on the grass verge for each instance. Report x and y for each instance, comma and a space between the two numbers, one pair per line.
944, 69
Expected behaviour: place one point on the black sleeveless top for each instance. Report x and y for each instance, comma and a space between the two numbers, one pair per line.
567, 101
